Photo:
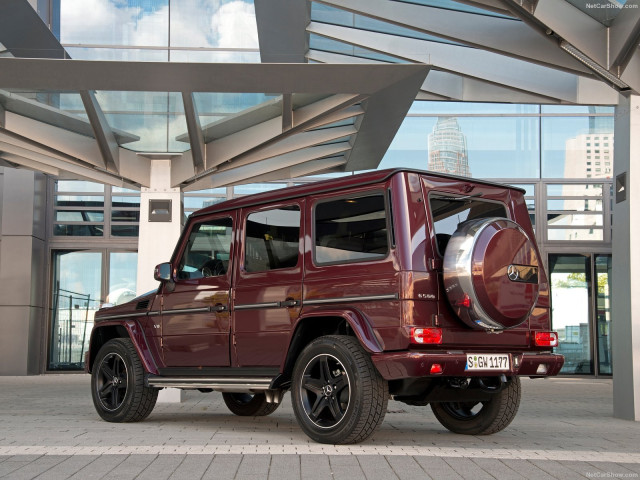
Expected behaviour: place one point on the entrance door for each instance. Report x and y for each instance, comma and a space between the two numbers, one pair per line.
581, 314
76, 292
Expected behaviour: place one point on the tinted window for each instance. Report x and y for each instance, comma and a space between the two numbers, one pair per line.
351, 229
207, 252
272, 239
449, 212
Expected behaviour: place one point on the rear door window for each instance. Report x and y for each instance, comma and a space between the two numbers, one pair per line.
272, 239
351, 229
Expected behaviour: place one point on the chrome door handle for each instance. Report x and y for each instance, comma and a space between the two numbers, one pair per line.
219, 308
289, 303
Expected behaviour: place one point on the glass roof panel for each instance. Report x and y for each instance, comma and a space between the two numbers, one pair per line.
336, 16
215, 56
604, 11
156, 118
61, 109
118, 54
213, 23
115, 22
453, 5
324, 44
423, 107
219, 105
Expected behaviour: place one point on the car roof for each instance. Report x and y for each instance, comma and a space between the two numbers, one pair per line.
330, 185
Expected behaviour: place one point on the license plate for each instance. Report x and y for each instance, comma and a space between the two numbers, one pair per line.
482, 361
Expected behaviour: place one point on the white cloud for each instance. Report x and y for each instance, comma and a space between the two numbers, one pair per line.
234, 24
194, 23
112, 23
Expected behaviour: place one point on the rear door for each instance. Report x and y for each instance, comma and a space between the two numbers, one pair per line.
268, 290
195, 311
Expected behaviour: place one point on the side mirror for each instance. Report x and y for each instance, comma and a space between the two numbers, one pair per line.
162, 272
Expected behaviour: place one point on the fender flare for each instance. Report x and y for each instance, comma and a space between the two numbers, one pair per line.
137, 337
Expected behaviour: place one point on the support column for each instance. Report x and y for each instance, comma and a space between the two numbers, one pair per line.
159, 232
23, 272
625, 305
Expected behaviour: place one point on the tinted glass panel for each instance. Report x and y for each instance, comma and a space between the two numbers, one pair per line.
79, 216
123, 269
571, 146
272, 239
125, 230
480, 147
207, 252
125, 215
351, 229
78, 230
449, 212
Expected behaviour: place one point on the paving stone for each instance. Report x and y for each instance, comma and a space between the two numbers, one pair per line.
100, 467
437, 468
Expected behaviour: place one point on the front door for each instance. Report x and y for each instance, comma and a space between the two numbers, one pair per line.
268, 288
195, 311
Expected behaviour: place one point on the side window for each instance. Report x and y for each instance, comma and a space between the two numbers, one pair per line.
449, 212
272, 239
207, 252
351, 229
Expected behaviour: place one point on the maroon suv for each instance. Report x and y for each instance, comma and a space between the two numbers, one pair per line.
426, 287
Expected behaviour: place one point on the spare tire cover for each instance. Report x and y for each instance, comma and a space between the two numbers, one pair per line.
491, 273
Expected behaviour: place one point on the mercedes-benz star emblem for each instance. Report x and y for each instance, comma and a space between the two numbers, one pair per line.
513, 273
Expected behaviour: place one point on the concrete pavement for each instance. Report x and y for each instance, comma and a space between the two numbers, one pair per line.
564, 430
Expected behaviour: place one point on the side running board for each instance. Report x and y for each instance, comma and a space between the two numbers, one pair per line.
221, 384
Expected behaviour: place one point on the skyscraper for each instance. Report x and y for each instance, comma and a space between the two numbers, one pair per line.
448, 148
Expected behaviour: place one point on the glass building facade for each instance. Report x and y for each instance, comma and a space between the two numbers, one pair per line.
561, 155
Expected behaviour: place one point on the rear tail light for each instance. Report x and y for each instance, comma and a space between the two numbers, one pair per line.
546, 339
424, 336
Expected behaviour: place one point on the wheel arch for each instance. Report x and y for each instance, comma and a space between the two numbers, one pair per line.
329, 322
103, 332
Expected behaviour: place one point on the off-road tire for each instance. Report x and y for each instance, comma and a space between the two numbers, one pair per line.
494, 416
361, 394
132, 401
249, 405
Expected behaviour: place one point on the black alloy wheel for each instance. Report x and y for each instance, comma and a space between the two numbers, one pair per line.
249, 404
338, 395
325, 391
481, 418
117, 383
112, 381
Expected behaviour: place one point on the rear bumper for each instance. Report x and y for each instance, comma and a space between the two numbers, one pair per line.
398, 365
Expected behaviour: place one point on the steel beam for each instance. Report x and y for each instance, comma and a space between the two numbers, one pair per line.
196, 139
22, 74
104, 135
287, 112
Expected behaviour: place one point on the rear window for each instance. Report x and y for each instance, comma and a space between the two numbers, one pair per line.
449, 211
351, 229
